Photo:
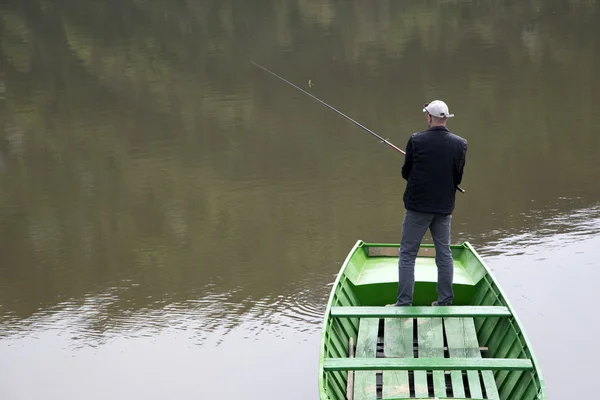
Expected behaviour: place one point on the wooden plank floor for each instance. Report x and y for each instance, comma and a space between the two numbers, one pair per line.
428, 336
456, 349
472, 346
398, 342
463, 344
365, 385
421, 386
431, 345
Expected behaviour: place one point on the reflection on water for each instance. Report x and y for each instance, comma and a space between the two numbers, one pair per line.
159, 194
545, 229
100, 318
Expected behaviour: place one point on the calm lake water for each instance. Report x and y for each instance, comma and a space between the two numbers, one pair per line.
172, 218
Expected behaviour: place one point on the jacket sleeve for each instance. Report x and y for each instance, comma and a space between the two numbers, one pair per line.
460, 167
407, 167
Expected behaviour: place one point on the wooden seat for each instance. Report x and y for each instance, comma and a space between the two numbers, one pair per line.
397, 363
427, 364
420, 312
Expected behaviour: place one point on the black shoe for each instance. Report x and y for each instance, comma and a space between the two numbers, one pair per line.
435, 304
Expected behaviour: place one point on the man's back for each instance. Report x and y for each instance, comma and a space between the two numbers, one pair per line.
433, 167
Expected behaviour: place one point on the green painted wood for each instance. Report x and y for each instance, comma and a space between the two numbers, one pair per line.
427, 364
489, 383
345, 329
491, 297
335, 347
376, 270
531, 391
508, 384
511, 345
338, 381
365, 385
456, 349
332, 382
496, 337
371, 280
345, 286
487, 329
397, 342
338, 339
472, 351
482, 289
430, 345
501, 351
419, 312
346, 326
420, 377
518, 390
342, 297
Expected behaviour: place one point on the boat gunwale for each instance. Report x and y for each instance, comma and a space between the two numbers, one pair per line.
327, 317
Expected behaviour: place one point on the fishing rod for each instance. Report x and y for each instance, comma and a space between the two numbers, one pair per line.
339, 112
333, 109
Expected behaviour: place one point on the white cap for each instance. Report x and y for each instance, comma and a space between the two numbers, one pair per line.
438, 109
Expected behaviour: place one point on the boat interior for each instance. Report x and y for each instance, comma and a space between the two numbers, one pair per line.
474, 349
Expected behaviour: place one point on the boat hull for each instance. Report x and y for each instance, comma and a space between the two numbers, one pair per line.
484, 337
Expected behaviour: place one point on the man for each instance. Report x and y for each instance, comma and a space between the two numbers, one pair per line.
433, 168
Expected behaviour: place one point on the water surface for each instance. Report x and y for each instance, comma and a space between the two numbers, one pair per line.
171, 217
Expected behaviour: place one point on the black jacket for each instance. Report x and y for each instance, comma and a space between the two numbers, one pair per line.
434, 164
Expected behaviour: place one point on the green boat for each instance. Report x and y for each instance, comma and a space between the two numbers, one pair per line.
474, 349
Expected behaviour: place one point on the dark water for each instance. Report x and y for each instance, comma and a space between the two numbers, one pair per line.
171, 217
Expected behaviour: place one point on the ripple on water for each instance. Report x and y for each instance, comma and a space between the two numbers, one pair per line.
209, 318
211, 315
545, 230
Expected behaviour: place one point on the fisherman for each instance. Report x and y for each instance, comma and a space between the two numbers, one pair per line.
433, 168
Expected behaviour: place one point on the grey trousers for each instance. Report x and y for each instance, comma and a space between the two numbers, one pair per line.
414, 227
